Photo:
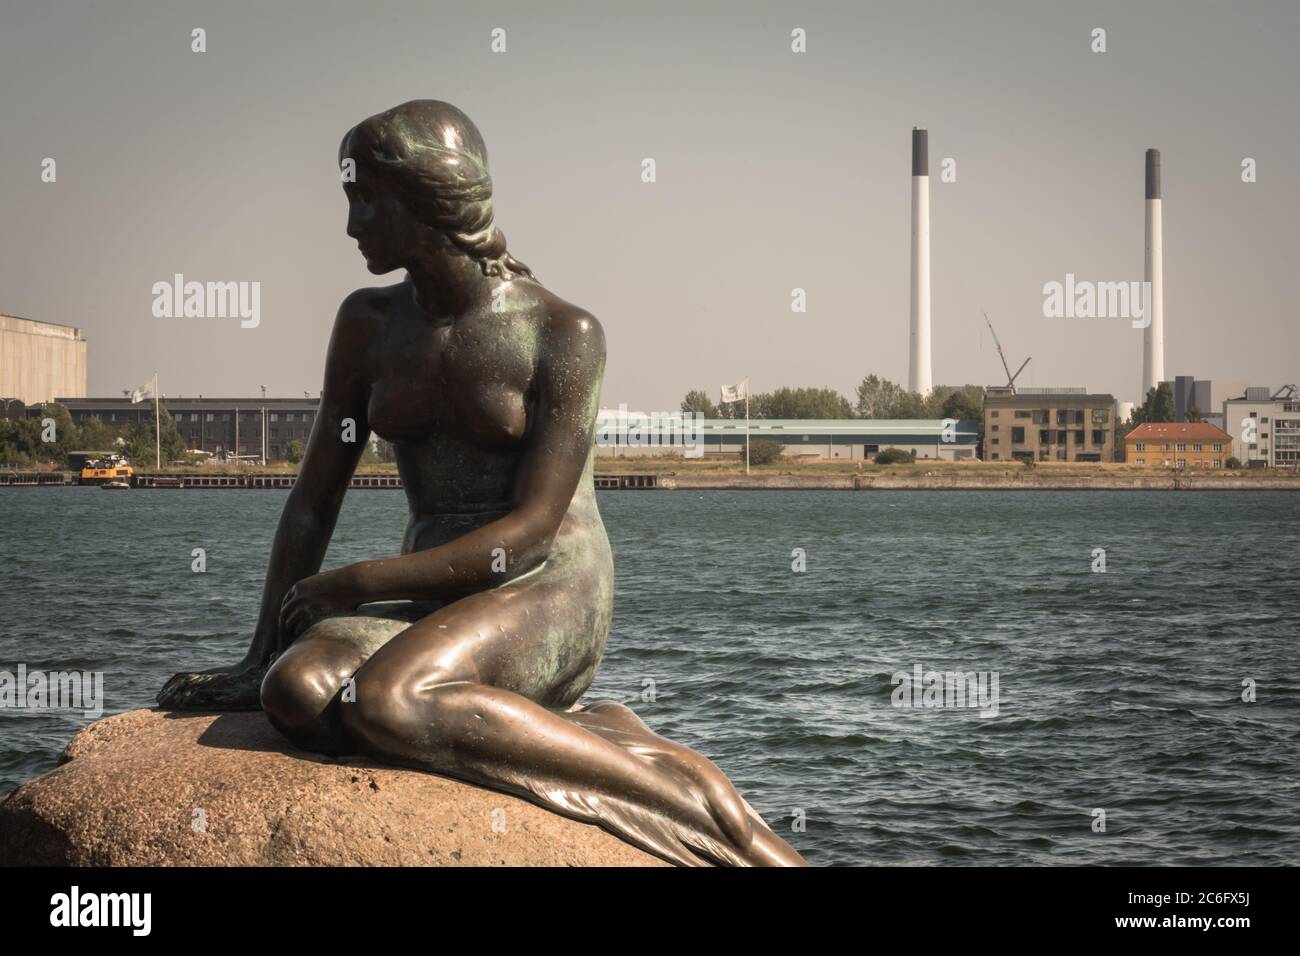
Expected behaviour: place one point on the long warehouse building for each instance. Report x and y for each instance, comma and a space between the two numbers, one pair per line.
851, 439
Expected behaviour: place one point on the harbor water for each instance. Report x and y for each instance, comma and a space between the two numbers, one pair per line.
1141, 646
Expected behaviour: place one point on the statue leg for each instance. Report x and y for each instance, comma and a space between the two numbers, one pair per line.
476, 691
303, 691
617, 722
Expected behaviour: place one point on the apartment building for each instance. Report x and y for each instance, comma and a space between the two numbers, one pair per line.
1265, 427
1177, 445
1048, 424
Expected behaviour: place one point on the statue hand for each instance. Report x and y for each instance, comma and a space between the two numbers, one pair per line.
314, 598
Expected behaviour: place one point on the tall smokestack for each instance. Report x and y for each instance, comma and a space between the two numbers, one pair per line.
918, 369
1153, 337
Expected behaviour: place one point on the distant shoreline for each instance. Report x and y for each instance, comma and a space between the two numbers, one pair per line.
970, 483
684, 480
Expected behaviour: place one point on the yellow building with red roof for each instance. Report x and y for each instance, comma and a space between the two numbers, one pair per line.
1177, 445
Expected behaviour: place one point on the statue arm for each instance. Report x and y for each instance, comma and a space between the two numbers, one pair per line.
307, 522
559, 444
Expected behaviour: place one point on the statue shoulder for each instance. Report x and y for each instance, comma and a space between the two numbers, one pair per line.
348, 357
569, 324
367, 305
359, 315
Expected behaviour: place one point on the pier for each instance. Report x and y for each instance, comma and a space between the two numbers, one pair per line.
13, 479
638, 482
688, 481
257, 480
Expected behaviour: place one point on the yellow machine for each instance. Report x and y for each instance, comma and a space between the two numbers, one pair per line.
97, 471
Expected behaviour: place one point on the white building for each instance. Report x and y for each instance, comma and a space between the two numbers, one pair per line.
629, 435
1265, 427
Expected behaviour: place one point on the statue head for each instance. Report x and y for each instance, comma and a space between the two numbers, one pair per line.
422, 183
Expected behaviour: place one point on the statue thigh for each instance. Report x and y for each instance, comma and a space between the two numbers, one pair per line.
540, 636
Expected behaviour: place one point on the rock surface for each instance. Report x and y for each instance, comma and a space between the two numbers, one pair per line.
130, 788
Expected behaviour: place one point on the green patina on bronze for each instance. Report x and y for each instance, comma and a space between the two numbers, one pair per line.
467, 653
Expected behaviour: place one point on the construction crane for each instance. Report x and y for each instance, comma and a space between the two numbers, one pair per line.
1011, 379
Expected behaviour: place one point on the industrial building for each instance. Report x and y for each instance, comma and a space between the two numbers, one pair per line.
1153, 335
39, 360
1177, 445
825, 439
918, 363
1203, 396
261, 427
209, 424
1048, 424
1264, 427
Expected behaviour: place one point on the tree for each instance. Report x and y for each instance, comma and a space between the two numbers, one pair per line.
698, 401
20, 441
173, 445
293, 454
140, 448
801, 403
65, 434
1158, 407
94, 435
1194, 415
878, 398
912, 405
964, 404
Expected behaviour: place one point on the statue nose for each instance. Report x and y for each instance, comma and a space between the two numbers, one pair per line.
359, 220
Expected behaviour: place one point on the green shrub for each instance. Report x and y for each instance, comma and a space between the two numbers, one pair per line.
1232, 463
764, 451
895, 456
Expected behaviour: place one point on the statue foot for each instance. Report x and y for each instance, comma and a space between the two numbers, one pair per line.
748, 840
237, 688
740, 837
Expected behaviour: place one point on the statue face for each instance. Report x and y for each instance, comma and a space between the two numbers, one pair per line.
386, 232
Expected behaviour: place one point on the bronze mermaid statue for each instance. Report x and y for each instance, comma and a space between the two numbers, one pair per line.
467, 654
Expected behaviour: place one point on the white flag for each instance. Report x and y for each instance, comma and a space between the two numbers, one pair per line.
734, 393
143, 392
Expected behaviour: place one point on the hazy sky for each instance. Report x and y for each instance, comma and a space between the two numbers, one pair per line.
776, 170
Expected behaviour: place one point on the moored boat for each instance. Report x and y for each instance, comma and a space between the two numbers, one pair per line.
108, 468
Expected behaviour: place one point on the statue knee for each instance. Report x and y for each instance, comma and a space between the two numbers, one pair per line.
297, 696
397, 716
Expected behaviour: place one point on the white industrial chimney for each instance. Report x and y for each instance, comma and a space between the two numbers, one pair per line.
918, 369
1153, 337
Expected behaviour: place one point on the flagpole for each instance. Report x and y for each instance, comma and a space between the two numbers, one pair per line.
157, 426
747, 427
